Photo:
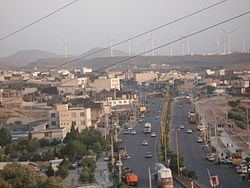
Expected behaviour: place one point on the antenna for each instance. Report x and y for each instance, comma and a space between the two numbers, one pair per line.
111, 46
129, 47
171, 45
146, 48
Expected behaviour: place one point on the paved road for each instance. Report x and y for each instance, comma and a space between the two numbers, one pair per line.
194, 155
133, 143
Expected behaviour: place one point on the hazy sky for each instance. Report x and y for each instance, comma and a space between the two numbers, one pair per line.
89, 23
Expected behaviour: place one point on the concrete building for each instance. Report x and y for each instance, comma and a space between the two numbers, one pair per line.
86, 70
106, 83
145, 77
65, 117
11, 98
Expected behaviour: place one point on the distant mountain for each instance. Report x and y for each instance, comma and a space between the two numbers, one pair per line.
26, 57
102, 53
7, 65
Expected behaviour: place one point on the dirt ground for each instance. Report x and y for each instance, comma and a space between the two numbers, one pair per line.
215, 110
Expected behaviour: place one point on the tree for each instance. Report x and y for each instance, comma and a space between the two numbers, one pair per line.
97, 148
90, 163
33, 145
63, 169
50, 172
20, 176
54, 182
84, 176
4, 184
5, 137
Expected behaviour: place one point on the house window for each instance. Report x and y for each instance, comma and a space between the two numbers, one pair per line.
53, 115
48, 134
53, 123
73, 123
120, 102
81, 114
73, 114
82, 122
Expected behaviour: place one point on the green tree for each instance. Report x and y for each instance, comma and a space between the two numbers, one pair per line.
33, 145
54, 182
63, 169
5, 137
97, 148
4, 184
50, 172
90, 163
84, 176
20, 176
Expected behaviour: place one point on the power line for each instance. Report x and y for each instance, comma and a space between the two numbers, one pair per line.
141, 34
38, 20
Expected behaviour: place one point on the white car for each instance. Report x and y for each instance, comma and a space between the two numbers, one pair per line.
153, 134
189, 131
157, 117
182, 127
133, 132
145, 143
199, 140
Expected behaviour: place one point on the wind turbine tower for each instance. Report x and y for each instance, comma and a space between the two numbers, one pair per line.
65, 48
227, 41
152, 43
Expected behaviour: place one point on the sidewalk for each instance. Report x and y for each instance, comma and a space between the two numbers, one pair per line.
102, 175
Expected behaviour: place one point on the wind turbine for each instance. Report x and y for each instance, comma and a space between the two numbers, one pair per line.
171, 45
227, 41
152, 40
129, 47
111, 46
146, 48
66, 48
185, 44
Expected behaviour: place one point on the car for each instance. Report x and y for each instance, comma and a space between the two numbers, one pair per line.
180, 106
182, 127
189, 131
153, 134
157, 117
229, 161
133, 132
145, 143
106, 158
130, 128
148, 154
241, 169
199, 140
211, 158
142, 116
118, 163
126, 131
140, 120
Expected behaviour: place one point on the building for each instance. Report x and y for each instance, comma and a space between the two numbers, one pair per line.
65, 117
86, 70
106, 83
145, 77
11, 98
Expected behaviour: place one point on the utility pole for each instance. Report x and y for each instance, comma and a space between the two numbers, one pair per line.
149, 177
247, 124
165, 148
112, 151
177, 151
120, 169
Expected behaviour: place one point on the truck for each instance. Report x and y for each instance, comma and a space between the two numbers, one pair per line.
163, 176
129, 177
237, 159
147, 128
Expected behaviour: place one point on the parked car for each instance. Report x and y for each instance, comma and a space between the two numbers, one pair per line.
241, 169
140, 120
211, 158
118, 163
148, 155
199, 140
157, 117
145, 143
